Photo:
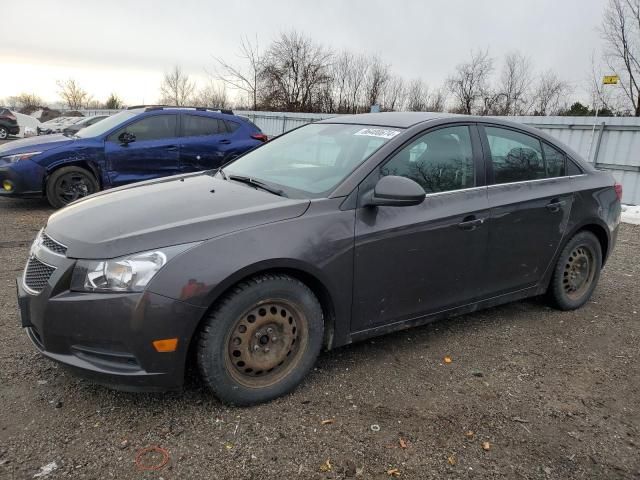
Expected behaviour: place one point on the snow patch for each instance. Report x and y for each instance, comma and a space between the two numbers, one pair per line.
631, 214
46, 470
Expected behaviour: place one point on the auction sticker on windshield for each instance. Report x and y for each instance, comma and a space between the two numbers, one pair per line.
378, 132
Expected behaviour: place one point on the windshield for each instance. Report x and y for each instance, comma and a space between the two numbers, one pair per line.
312, 160
103, 126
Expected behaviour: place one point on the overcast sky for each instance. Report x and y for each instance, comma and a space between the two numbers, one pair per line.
124, 46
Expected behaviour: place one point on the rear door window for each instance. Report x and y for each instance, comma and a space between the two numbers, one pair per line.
515, 156
197, 126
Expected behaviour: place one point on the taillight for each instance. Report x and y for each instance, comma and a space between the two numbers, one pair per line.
260, 136
618, 189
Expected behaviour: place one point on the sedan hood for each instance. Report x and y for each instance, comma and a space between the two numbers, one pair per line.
164, 212
34, 144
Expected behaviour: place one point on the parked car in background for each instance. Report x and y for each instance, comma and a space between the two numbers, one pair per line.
334, 232
140, 143
83, 123
56, 125
28, 125
8, 124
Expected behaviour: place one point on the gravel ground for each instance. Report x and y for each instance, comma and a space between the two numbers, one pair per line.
530, 392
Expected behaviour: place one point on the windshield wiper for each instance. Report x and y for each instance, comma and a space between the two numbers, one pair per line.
257, 184
221, 172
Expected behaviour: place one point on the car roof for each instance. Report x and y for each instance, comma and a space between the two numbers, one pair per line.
181, 109
389, 119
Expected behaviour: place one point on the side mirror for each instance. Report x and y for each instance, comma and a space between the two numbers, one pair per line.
125, 138
392, 191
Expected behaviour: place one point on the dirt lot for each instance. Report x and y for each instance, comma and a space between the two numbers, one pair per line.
555, 395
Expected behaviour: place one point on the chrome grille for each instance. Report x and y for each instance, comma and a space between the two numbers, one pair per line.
37, 274
50, 244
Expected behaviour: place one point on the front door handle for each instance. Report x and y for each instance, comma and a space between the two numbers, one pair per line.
555, 205
470, 223
172, 148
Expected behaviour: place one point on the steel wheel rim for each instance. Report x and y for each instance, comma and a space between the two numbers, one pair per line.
72, 186
266, 343
579, 271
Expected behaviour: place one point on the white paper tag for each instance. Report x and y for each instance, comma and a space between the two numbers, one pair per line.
378, 132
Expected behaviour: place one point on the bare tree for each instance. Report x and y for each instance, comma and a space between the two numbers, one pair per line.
296, 70
377, 76
26, 102
437, 100
514, 85
94, 104
339, 73
355, 83
247, 77
176, 88
74, 96
621, 33
417, 96
212, 95
394, 94
549, 94
469, 83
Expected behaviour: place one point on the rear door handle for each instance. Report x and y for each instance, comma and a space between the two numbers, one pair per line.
225, 141
470, 223
172, 148
555, 205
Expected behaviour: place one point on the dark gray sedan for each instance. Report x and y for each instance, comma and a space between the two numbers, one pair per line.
335, 232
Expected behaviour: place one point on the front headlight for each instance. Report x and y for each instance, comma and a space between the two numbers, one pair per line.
19, 156
126, 274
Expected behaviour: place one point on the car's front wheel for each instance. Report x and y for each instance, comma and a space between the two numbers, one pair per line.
577, 272
4, 133
261, 339
68, 184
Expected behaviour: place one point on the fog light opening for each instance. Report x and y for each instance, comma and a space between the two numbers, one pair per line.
166, 345
7, 185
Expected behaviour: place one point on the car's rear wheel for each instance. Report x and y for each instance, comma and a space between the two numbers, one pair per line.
4, 133
261, 339
68, 184
577, 272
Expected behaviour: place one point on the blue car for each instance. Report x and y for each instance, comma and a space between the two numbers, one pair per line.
140, 143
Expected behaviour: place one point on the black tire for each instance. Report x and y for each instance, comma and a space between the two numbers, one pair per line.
68, 184
4, 133
577, 272
232, 340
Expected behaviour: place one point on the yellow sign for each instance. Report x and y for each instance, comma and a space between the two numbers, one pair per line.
610, 80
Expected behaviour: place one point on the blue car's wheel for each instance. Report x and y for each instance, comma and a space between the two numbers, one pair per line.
69, 184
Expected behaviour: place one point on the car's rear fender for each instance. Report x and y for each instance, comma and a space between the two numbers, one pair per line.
596, 210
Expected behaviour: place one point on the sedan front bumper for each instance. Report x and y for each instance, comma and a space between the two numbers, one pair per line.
108, 337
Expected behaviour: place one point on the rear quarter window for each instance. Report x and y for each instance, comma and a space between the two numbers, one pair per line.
231, 126
573, 168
